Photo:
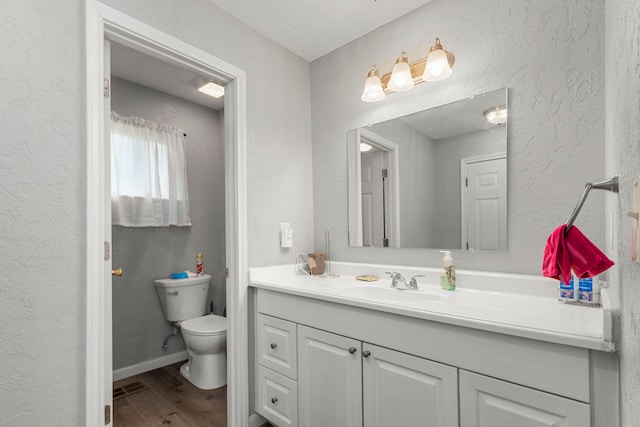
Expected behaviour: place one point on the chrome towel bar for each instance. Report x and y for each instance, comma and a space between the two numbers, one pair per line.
612, 184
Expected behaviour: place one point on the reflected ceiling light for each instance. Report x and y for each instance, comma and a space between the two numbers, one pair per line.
435, 67
373, 91
496, 115
401, 79
364, 147
212, 89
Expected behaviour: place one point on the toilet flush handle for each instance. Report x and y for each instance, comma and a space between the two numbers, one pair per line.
172, 292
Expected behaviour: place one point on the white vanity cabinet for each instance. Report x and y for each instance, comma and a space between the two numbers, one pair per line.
358, 366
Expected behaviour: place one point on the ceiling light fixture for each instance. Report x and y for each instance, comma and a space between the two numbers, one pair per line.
364, 147
212, 89
435, 67
496, 115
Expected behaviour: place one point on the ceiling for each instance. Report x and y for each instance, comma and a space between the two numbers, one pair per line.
311, 28
308, 28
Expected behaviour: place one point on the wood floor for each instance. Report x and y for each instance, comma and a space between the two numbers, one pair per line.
169, 400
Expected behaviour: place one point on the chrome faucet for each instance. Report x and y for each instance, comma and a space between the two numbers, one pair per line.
400, 283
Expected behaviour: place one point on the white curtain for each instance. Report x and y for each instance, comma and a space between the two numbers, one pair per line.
148, 174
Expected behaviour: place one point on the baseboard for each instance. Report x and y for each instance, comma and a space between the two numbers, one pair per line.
149, 365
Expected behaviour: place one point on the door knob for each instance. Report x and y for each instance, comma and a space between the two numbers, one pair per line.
116, 272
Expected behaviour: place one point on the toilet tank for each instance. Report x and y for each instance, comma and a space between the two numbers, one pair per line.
183, 299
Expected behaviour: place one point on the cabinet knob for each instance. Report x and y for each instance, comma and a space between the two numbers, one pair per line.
274, 345
366, 353
274, 400
352, 350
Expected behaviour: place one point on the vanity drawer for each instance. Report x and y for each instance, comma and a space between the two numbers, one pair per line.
277, 345
277, 398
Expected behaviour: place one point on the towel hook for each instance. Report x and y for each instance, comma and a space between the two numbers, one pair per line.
612, 184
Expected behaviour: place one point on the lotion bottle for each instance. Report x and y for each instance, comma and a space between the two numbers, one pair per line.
447, 272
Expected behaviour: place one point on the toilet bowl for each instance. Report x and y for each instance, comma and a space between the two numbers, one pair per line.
206, 341
205, 336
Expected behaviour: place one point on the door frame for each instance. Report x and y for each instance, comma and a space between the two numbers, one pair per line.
464, 213
103, 22
354, 138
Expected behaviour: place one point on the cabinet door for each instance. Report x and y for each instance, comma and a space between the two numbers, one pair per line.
329, 379
487, 402
404, 390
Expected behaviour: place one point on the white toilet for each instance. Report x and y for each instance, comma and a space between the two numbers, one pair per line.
184, 302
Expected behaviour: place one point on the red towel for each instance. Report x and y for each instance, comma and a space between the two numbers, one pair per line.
572, 252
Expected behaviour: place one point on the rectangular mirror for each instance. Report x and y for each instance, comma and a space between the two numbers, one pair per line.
432, 179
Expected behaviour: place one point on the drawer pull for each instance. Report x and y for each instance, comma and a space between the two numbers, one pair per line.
366, 353
273, 345
274, 400
352, 350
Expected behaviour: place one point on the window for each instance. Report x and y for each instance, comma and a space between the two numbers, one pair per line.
148, 174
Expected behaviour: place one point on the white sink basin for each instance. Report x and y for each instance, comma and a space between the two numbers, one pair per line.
390, 294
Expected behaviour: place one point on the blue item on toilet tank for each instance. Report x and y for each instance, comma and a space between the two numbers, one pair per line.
181, 275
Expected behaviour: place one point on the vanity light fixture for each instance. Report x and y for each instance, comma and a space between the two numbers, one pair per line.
212, 89
401, 79
435, 67
373, 87
496, 115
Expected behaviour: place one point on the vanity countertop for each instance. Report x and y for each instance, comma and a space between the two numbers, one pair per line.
512, 304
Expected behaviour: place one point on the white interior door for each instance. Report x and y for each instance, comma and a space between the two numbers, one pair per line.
484, 204
108, 266
373, 206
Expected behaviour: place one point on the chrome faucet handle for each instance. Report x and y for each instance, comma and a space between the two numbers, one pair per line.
395, 277
413, 283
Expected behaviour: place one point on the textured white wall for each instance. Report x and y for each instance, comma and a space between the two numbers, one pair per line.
148, 253
623, 158
547, 52
42, 214
42, 176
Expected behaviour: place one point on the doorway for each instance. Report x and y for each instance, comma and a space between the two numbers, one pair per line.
484, 203
104, 23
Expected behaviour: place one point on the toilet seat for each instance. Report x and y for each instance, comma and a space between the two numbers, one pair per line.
209, 325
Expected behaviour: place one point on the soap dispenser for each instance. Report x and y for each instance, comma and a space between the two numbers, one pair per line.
447, 272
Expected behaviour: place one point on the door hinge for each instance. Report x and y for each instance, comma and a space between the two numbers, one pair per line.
106, 88
466, 182
385, 173
107, 251
107, 414
226, 272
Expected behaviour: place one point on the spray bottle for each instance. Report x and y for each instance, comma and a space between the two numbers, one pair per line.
199, 264
447, 272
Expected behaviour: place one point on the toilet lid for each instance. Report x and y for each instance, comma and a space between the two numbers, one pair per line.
206, 325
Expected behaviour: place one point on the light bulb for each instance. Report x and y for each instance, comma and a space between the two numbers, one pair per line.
372, 91
496, 115
437, 66
401, 79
